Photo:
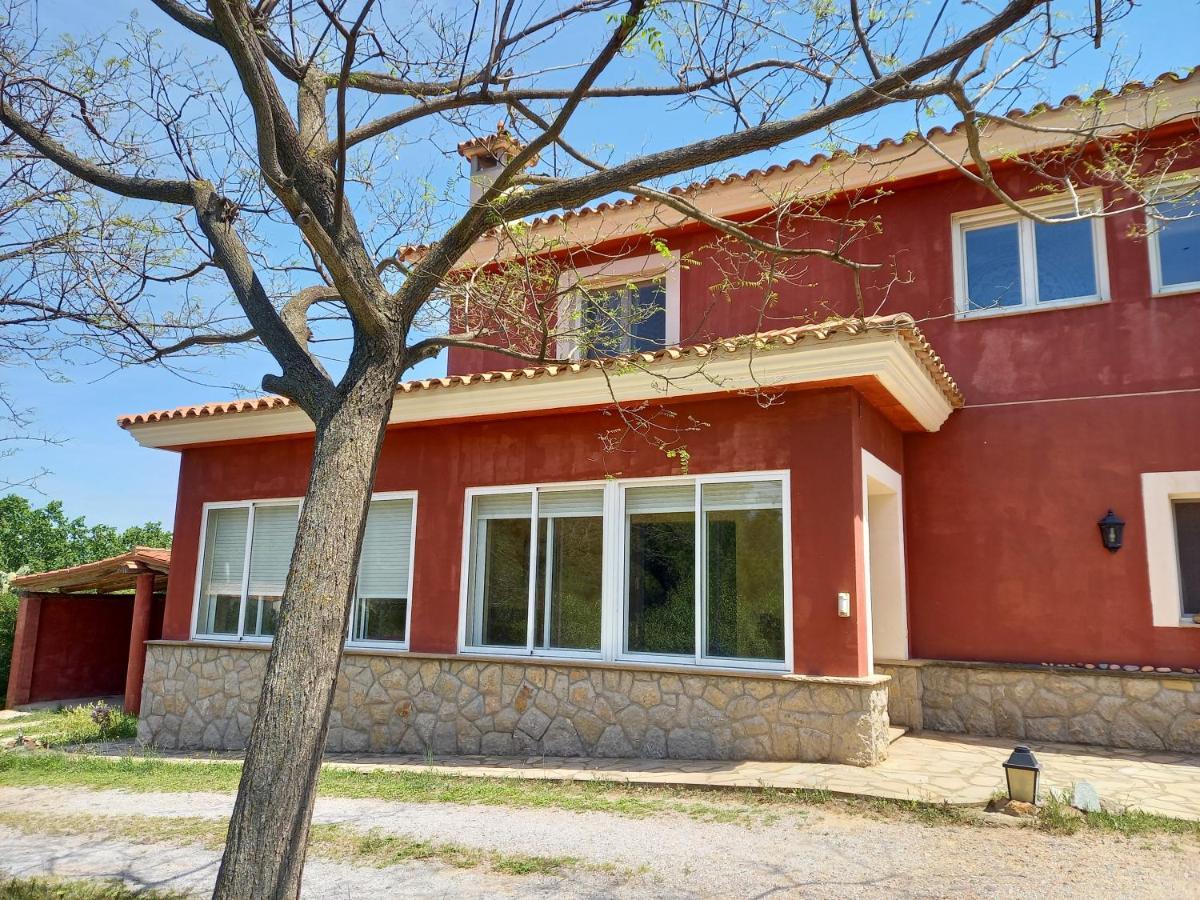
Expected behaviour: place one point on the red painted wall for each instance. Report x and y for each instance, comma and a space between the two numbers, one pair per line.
813, 434
1004, 558
82, 646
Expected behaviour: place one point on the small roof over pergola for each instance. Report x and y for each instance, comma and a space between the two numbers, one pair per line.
105, 576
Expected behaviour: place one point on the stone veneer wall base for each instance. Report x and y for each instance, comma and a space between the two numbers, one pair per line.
203, 697
1138, 710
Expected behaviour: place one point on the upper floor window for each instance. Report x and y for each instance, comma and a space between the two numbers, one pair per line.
1174, 238
629, 317
1005, 262
247, 553
626, 305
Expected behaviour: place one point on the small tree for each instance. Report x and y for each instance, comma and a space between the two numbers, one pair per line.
294, 183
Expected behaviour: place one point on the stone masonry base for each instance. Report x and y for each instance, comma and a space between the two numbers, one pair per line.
1144, 711
203, 697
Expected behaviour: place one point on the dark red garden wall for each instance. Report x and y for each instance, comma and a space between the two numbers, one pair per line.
71, 645
812, 434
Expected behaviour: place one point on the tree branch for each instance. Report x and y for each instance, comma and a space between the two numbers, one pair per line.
158, 189
304, 379
900, 85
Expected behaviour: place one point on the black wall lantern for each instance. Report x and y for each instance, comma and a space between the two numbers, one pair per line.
1112, 531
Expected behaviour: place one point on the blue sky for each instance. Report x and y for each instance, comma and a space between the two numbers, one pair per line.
98, 471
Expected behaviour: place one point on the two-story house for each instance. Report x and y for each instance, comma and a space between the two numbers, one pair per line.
905, 534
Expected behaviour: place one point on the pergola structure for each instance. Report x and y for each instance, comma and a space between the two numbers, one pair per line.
73, 623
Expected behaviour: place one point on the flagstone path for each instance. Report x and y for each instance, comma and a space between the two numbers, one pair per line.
930, 767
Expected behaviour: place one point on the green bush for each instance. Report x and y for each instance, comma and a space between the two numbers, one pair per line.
8, 630
87, 724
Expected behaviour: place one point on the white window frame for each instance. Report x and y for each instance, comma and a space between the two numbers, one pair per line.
250, 505
969, 220
612, 591
1181, 182
1159, 491
351, 643
241, 637
618, 272
530, 648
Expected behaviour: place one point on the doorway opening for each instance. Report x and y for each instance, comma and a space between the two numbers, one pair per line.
887, 598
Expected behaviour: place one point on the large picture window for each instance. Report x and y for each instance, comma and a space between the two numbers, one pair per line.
247, 552
1005, 262
536, 596
683, 570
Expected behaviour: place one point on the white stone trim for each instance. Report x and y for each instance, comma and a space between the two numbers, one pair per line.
1162, 554
884, 356
875, 470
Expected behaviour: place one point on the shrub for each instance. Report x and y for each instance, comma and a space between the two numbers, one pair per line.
88, 724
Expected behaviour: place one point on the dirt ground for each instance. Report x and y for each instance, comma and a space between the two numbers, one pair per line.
816, 852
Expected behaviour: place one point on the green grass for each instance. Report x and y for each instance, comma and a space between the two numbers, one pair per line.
752, 807
1057, 816
134, 773
58, 889
70, 726
329, 841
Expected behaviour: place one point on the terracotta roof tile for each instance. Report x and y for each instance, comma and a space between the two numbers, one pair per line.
115, 573
820, 159
901, 323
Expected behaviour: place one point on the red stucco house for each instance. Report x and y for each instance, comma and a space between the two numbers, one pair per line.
905, 535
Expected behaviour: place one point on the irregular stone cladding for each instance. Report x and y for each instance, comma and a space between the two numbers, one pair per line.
203, 697
1139, 710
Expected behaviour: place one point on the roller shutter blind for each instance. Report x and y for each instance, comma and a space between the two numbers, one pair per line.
386, 550
271, 548
225, 551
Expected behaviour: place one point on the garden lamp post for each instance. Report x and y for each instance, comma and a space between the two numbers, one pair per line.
1023, 772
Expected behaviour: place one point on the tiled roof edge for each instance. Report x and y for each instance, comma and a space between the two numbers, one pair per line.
902, 323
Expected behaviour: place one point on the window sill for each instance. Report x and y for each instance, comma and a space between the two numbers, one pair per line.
564, 662
1005, 312
1177, 290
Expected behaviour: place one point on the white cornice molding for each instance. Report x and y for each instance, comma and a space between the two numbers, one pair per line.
884, 356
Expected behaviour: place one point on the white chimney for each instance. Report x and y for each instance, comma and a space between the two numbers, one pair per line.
487, 157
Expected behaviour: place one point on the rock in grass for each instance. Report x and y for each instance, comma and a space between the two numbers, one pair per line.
1085, 797
1015, 808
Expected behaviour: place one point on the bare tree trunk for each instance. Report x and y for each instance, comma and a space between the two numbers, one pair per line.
268, 833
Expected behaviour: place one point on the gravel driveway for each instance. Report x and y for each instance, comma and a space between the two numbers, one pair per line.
818, 853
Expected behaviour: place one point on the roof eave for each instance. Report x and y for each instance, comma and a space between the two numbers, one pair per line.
897, 359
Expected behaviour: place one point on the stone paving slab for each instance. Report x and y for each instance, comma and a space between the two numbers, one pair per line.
928, 767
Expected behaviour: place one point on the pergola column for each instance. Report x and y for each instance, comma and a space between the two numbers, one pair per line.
139, 633
24, 651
